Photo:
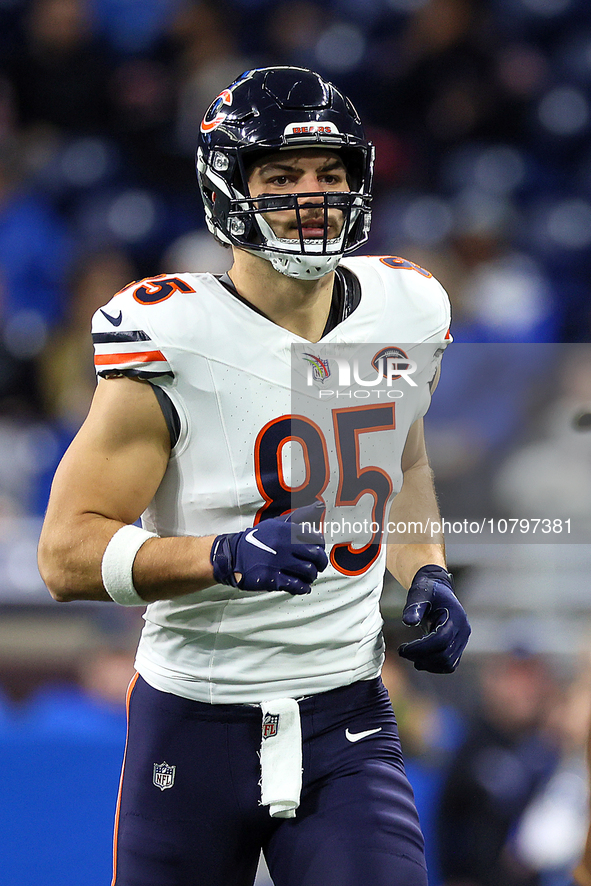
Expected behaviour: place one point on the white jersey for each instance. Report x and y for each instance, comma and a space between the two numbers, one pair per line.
227, 370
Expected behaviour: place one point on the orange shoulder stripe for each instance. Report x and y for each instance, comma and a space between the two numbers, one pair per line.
137, 357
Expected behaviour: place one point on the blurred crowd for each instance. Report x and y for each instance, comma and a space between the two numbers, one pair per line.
480, 111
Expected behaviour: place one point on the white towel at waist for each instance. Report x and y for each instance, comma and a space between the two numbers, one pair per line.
281, 757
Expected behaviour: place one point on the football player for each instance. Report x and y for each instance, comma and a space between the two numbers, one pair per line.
257, 719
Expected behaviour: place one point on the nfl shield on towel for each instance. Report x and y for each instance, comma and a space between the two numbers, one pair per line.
163, 775
270, 725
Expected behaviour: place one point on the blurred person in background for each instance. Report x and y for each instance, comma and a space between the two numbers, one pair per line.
441, 73
35, 250
187, 430
91, 703
207, 58
550, 836
506, 757
58, 65
67, 379
430, 729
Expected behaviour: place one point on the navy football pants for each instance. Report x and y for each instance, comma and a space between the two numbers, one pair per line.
356, 825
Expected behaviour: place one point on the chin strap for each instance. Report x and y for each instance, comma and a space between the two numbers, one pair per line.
303, 267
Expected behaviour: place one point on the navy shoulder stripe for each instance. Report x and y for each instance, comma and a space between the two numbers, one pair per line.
113, 337
134, 373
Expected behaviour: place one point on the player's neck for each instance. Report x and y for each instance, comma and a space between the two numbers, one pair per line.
300, 306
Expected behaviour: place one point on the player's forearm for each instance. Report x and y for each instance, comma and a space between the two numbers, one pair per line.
404, 561
415, 517
164, 568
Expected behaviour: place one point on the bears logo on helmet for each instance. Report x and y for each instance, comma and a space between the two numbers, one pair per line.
207, 125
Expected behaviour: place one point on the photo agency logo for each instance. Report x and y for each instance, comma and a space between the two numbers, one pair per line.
381, 374
352, 406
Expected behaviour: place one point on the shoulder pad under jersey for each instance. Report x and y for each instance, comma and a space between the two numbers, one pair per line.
123, 330
419, 300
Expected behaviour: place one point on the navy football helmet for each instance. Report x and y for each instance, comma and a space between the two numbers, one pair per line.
273, 109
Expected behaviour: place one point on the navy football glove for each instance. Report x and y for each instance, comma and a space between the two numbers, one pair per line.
267, 557
431, 603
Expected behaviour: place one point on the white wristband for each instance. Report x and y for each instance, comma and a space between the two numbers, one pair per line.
117, 564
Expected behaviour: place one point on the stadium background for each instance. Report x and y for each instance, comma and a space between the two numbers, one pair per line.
481, 114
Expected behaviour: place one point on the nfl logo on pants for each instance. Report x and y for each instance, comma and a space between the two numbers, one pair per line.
163, 775
270, 725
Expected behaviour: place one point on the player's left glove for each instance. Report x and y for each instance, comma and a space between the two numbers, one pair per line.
431, 603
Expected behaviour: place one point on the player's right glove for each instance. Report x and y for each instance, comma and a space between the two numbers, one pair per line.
266, 556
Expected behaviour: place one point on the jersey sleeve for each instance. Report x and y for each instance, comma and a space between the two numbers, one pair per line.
123, 346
